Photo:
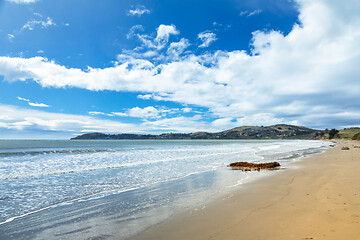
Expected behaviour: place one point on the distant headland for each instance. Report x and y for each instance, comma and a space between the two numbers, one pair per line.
278, 131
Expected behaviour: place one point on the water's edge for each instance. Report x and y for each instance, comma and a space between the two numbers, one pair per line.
122, 213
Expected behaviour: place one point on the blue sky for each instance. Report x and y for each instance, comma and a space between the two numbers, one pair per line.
70, 67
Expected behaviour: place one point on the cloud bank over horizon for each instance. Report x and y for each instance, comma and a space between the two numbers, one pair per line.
308, 77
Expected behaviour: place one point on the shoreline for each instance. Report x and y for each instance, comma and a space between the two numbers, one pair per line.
126, 214
316, 198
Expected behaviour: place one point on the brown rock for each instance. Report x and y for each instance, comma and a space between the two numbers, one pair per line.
345, 148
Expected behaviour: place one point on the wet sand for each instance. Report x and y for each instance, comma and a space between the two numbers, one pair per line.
316, 198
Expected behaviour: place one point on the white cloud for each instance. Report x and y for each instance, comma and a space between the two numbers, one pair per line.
250, 13
22, 1
145, 96
147, 112
221, 26
32, 24
216, 24
23, 99
179, 124
38, 14
177, 48
24, 119
33, 104
11, 37
143, 113
207, 38
151, 112
187, 109
96, 113
38, 104
243, 13
138, 11
133, 31
158, 48
224, 123
164, 31
310, 75
100, 113
120, 114
258, 119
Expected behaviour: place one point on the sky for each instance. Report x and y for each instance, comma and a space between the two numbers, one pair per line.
151, 66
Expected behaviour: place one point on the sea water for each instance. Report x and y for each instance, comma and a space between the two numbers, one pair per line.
127, 184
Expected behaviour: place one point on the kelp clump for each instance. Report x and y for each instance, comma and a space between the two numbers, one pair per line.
246, 166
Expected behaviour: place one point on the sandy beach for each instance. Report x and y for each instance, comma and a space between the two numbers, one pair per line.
316, 198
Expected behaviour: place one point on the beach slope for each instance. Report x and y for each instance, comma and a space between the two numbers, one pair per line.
317, 198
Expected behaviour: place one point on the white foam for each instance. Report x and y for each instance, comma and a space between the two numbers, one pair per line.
270, 147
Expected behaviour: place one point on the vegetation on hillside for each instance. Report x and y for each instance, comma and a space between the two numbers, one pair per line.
346, 133
279, 131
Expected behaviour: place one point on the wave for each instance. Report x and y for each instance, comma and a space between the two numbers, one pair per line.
265, 148
63, 151
105, 165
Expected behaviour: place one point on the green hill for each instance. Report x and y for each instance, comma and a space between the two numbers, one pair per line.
279, 131
348, 133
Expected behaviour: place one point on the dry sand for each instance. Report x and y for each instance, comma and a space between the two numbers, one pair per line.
317, 199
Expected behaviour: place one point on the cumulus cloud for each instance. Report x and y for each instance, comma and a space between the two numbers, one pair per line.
153, 45
207, 38
310, 75
148, 112
177, 48
138, 11
32, 103
164, 31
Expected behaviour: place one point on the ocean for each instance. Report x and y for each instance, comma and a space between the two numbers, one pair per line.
62, 189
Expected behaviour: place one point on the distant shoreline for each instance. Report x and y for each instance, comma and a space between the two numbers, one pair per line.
279, 131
